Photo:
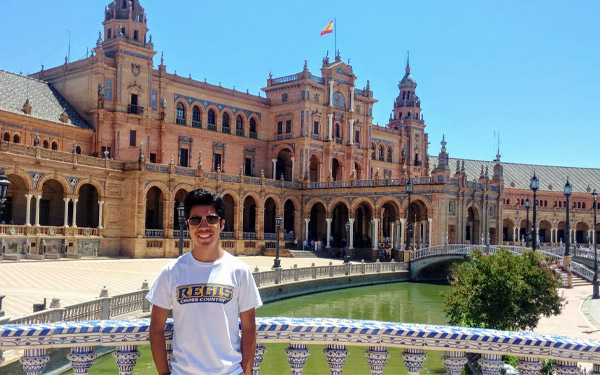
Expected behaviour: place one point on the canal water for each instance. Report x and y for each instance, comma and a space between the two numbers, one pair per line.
399, 302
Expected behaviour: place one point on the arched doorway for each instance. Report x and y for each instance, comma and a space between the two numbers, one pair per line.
418, 224
508, 230
284, 165
336, 169
315, 174
363, 215
317, 227
154, 208
357, 171
473, 230
52, 205
390, 213
560, 232
179, 198
229, 213
269, 217
87, 207
15, 206
581, 233
338, 225
249, 224
544, 231
288, 216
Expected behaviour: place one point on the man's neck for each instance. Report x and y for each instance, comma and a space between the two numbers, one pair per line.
207, 255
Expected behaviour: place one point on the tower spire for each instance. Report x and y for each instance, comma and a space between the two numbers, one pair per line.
407, 62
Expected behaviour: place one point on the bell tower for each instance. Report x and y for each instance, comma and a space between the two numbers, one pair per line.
125, 20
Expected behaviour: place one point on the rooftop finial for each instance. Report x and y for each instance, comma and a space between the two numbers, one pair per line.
306, 65
443, 143
407, 62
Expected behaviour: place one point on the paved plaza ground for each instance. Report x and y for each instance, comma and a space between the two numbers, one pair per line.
27, 282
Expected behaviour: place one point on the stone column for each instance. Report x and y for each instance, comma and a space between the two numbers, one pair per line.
336, 357
100, 205
529, 366
352, 99
126, 357
515, 233
34, 361
75, 200
430, 229
415, 236
566, 368
351, 244
306, 221
330, 93
293, 167
377, 357
297, 355
274, 168
329, 126
66, 215
402, 234
414, 360
28, 212
454, 362
491, 364
328, 220
259, 354
392, 234
38, 198
375, 234
81, 358
351, 133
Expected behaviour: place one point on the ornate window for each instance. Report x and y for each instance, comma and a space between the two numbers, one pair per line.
389, 155
196, 117
225, 120
239, 126
16, 139
337, 131
211, 116
381, 152
6, 137
180, 114
253, 128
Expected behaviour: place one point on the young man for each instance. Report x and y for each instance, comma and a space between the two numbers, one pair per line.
207, 289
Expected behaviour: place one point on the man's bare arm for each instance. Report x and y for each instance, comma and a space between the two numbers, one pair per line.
248, 322
158, 320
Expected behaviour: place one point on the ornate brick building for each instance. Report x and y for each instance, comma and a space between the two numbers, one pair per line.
101, 151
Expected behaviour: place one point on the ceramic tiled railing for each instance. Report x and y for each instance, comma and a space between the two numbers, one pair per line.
299, 334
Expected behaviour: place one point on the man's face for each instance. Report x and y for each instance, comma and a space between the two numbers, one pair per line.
204, 234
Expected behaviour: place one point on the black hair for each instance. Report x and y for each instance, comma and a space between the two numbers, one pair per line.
203, 197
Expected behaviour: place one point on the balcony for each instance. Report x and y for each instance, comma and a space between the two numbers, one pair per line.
253, 135
212, 127
197, 124
249, 235
339, 141
239, 132
180, 121
228, 235
135, 109
226, 130
155, 233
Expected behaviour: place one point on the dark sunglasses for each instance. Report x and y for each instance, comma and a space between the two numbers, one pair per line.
194, 221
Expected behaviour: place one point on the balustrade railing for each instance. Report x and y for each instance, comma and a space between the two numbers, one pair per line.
228, 235
249, 235
270, 236
300, 333
155, 233
176, 233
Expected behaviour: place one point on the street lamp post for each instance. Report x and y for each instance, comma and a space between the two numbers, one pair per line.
181, 214
596, 293
534, 185
277, 262
346, 255
3, 189
527, 206
568, 190
409, 191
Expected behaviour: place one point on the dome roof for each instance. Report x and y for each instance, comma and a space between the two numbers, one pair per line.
407, 78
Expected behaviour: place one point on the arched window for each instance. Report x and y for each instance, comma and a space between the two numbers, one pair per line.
389, 155
507, 200
45, 144
252, 128
16, 139
225, 119
78, 150
211, 116
180, 120
6, 137
239, 126
54, 146
196, 117
337, 131
381, 152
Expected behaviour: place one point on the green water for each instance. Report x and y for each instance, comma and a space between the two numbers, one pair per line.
400, 302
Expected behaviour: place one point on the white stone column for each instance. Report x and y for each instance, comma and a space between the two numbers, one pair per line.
429, 230
274, 168
515, 234
329, 126
66, 213
351, 244
330, 93
375, 234
392, 234
352, 99
415, 237
402, 234
306, 221
38, 198
74, 213
293, 166
328, 220
100, 205
28, 208
351, 132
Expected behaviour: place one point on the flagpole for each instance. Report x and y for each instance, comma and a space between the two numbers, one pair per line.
335, 37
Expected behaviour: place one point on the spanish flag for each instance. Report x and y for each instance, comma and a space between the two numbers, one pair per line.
327, 29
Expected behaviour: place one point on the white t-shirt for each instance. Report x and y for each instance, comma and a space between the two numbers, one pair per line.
206, 299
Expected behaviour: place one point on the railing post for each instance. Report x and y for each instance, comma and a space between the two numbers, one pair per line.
278, 272
313, 271
414, 360
81, 359
566, 368
57, 314
377, 357
363, 266
34, 361
348, 268
378, 265
296, 273
256, 275
145, 302
393, 264
126, 357
596, 369
336, 357
491, 364
454, 362
105, 312
297, 354
529, 366
330, 269
259, 355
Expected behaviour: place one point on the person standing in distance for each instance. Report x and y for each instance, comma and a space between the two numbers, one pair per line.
207, 289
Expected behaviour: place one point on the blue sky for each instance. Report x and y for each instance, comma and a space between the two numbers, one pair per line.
526, 69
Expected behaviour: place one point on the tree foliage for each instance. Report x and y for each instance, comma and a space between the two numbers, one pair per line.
502, 291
